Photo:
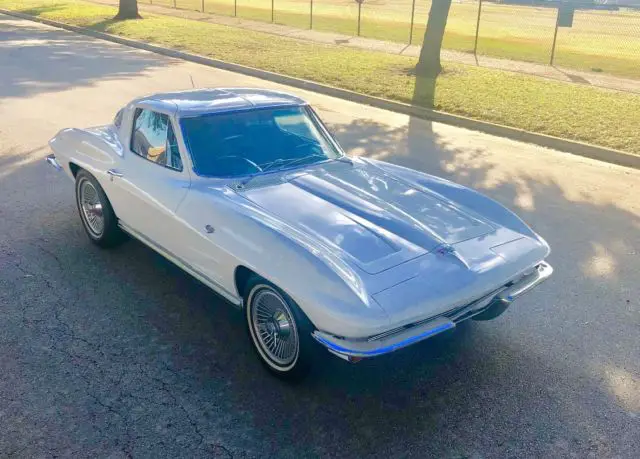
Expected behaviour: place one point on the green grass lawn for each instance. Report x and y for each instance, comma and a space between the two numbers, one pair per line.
604, 41
593, 115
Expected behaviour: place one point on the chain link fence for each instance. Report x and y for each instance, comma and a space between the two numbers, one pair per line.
583, 36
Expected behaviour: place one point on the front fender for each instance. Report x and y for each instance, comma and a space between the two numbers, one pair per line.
328, 290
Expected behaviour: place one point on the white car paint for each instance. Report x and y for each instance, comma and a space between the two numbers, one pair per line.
365, 248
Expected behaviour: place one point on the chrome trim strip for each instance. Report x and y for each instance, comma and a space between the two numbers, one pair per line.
51, 159
182, 264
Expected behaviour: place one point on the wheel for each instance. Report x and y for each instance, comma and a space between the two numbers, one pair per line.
278, 329
96, 213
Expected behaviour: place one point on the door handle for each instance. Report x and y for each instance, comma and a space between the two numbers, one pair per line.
114, 173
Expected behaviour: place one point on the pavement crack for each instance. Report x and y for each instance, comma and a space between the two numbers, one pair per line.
223, 449
26, 273
165, 387
106, 406
51, 254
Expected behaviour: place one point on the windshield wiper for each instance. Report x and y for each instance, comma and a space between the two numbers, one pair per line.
264, 169
289, 162
297, 160
275, 163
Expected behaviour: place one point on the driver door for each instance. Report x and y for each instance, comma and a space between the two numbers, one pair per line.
150, 182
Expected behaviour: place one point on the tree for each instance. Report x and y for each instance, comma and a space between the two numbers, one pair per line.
429, 61
127, 9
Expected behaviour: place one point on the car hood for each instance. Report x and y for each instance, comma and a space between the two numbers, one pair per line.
374, 219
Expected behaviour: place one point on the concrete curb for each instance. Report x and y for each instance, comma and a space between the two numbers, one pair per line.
556, 143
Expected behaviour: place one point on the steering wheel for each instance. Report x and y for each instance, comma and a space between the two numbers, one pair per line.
242, 159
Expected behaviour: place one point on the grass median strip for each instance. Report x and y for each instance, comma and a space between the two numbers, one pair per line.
593, 115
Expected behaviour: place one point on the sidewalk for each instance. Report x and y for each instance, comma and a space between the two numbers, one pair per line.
544, 71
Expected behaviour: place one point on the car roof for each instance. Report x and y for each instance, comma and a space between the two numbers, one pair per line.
219, 100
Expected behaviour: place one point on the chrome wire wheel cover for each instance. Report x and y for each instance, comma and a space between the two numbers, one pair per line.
91, 208
274, 328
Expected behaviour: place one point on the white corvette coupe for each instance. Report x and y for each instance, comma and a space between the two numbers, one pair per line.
246, 190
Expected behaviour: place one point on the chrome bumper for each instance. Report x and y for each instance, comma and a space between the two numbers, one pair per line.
541, 273
384, 343
51, 159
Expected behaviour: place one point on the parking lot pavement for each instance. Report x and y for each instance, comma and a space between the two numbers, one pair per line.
119, 354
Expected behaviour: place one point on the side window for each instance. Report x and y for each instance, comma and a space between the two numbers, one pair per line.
149, 137
153, 139
174, 161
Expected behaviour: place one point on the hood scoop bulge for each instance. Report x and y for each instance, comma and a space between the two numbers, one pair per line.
368, 216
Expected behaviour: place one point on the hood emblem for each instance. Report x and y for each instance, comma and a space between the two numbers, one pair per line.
446, 249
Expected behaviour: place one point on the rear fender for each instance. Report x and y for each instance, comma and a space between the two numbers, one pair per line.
95, 150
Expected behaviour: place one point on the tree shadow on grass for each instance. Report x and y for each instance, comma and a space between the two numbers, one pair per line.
103, 26
40, 10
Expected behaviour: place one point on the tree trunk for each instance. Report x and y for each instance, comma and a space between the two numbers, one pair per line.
127, 9
429, 61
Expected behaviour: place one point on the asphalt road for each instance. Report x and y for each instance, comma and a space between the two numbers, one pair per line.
118, 353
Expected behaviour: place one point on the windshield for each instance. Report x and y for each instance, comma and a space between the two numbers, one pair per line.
248, 142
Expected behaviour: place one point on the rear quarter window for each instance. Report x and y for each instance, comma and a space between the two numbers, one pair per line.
117, 120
